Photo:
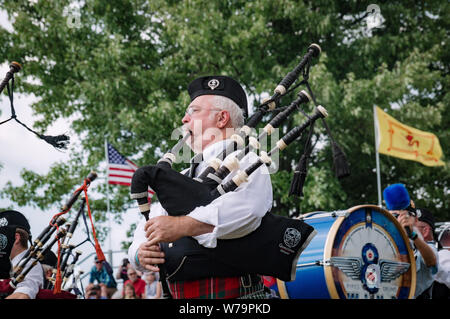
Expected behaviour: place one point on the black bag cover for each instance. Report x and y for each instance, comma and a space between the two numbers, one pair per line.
177, 193
272, 249
7, 237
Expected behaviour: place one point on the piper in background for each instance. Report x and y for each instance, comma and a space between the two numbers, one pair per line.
399, 204
14, 236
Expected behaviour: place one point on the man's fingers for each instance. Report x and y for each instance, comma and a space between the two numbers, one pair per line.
148, 224
153, 261
149, 231
154, 247
152, 254
154, 240
152, 268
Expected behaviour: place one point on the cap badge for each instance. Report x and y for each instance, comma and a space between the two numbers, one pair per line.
213, 84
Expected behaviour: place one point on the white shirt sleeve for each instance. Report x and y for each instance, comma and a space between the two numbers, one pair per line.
139, 235
32, 282
236, 214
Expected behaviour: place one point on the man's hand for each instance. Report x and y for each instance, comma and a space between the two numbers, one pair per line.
149, 256
405, 219
168, 229
427, 253
163, 229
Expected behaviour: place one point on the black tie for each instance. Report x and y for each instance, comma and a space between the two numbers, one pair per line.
195, 161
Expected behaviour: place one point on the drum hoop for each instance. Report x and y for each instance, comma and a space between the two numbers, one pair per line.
332, 235
328, 249
282, 289
327, 255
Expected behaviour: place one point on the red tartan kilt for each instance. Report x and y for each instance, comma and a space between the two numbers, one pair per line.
210, 288
48, 294
5, 288
42, 294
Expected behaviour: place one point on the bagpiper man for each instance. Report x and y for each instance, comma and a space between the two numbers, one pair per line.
218, 107
15, 234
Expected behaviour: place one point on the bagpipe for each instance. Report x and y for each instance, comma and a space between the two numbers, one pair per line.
281, 238
59, 141
56, 232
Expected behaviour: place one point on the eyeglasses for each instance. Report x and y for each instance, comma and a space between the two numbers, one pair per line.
196, 109
132, 273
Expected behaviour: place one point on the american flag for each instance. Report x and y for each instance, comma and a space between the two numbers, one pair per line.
121, 169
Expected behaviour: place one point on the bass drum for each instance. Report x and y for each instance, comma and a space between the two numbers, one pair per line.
359, 253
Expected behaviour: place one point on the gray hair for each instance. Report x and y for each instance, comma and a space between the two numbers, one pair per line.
226, 104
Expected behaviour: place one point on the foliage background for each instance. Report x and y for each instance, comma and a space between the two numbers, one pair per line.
120, 69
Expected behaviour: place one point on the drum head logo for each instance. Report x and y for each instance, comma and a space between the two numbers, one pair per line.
213, 84
371, 255
3, 241
292, 237
372, 277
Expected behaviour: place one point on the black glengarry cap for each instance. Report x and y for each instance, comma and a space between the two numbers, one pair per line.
14, 219
219, 85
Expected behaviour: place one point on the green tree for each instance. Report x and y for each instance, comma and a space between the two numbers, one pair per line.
120, 69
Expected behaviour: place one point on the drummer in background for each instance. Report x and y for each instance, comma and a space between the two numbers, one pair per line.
402, 207
426, 226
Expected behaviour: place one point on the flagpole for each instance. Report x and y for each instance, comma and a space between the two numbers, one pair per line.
107, 206
377, 155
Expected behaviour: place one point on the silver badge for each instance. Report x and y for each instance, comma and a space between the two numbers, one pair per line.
213, 84
292, 237
3, 222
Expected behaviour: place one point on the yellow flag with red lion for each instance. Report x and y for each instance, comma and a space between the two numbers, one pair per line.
399, 140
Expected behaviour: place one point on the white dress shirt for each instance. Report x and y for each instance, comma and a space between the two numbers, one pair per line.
33, 281
233, 215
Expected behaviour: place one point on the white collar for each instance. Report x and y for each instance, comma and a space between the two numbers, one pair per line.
213, 150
